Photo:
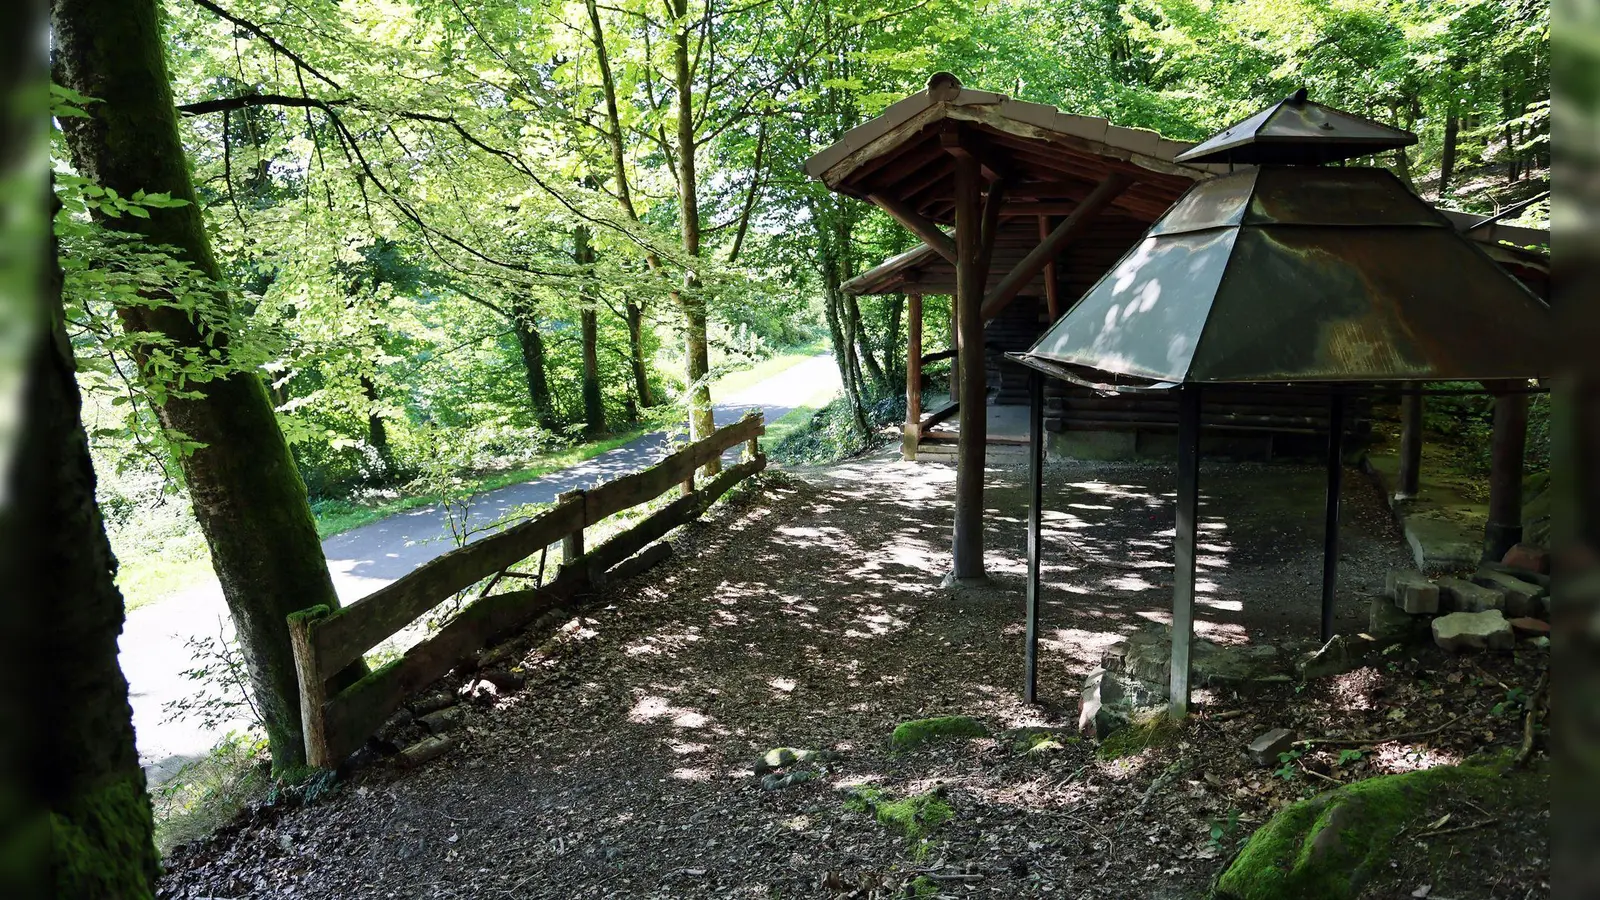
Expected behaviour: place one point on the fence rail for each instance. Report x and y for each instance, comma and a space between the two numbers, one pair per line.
337, 722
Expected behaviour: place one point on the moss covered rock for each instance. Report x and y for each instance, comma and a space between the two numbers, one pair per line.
914, 816
921, 731
1327, 847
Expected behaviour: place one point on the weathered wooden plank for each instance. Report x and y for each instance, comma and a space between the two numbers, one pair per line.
313, 684
342, 637
354, 714
347, 719
679, 512
641, 487
938, 415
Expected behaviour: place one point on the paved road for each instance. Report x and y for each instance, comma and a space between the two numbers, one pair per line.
153, 651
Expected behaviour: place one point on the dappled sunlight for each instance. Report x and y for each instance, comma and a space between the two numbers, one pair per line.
1396, 758
653, 709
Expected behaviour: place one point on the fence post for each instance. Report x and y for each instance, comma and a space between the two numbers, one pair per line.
313, 687
572, 544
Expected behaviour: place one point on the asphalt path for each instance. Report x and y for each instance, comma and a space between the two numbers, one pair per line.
154, 650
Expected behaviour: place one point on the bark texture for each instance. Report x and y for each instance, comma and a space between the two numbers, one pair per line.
246, 491
531, 343
594, 405
80, 762
690, 300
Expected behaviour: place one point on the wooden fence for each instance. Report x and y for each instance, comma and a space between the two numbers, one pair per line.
337, 722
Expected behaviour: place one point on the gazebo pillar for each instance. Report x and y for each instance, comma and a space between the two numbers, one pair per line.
1406, 485
1185, 541
972, 267
1030, 678
1504, 528
1330, 522
913, 428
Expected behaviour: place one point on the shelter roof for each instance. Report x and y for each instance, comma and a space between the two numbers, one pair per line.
1049, 159
1304, 274
1296, 130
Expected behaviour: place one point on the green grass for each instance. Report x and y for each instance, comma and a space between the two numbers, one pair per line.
734, 382
336, 516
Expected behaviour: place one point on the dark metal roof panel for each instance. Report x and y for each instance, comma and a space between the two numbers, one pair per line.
1145, 317
1296, 130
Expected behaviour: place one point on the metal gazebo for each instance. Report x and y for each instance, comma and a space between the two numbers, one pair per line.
1335, 280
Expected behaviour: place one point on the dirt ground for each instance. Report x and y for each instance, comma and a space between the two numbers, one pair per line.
809, 614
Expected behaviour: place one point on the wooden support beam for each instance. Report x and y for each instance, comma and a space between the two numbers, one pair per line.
1184, 544
1330, 522
1506, 447
1052, 289
1063, 234
993, 199
913, 427
1030, 677
1411, 410
931, 234
972, 267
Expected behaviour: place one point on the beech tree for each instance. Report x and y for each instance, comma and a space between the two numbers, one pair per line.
247, 494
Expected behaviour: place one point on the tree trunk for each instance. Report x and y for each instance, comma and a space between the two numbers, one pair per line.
697, 355
1447, 156
880, 381
377, 432
641, 374
594, 405
532, 345
619, 167
246, 491
893, 359
71, 741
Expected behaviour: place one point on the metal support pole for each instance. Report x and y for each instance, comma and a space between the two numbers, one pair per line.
1330, 525
1035, 526
1186, 537
1410, 446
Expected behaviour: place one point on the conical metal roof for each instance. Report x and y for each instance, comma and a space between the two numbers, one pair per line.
1303, 274
1297, 131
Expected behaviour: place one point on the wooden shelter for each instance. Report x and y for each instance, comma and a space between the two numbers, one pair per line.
1019, 185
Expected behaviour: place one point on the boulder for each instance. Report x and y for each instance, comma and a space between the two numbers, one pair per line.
1528, 556
1487, 630
1521, 597
1411, 591
1331, 846
1460, 595
777, 782
1104, 705
1266, 747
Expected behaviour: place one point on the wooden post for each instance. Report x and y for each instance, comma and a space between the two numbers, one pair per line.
1184, 543
313, 688
971, 445
572, 544
1330, 522
908, 441
1504, 528
1411, 408
752, 449
1030, 682
1052, 290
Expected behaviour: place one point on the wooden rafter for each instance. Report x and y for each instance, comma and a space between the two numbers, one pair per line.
931, 234
1063, 234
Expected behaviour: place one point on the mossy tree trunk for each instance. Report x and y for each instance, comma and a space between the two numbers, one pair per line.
594, 406
247, 493
79, 762
531, 343
691, 301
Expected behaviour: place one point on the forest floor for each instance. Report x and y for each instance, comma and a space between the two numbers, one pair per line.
809, 614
